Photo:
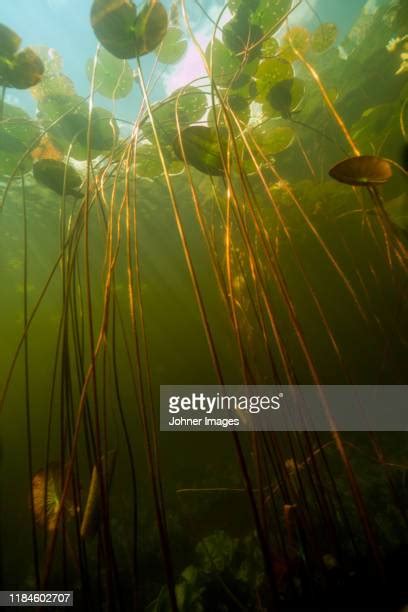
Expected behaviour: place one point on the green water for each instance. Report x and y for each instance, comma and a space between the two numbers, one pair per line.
296, 278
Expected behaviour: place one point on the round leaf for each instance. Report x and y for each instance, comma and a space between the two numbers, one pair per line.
201, 149
270, 14
18, 133
23, 71
228, 70
295, 38
124, 33
9, 42
269, 73
273, 140
284, 98
241, 37
113, 77
173, 47
323, 37
60, 177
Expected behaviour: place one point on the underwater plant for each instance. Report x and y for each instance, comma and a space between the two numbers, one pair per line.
157, 230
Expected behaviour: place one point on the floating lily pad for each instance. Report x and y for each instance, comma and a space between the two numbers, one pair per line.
323, 37
268, 14
202, 149
60, 177
227, 68
273, 140
18, 132
190, 103
9, 42
365, 171
242, 37
270, 47
296, 38
47, 490
284, 98
24, 70
123, 32
71, 128
239, 105
249, 6
269, 73
113, 77
173, 47
271, 14
53, 85
148, 163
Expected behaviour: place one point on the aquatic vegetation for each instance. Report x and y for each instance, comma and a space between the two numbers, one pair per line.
365, 170
46, 485
58, 176
156, 233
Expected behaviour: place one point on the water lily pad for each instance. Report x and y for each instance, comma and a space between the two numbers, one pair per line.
58, 84
270, 47
228, 69
18, 132
173, 46
284, 98
249, 6
24, 70
71, 128
190, 103
113, 77
270, 14
202, 149
148, 163
363, 171
60, 177
242, 37
323, 37
123, 32
295, 38
9, 41
269, 73
273, 140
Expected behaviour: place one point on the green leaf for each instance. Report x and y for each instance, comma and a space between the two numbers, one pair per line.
60, 177
270, 48
202, 149
124, 33
284, 98
173, 47
190, 103
18, 133
22, 71
227, 69
269, 73
323, 37
271, 13
243, 5
295, 38
113, 77
242, 37
71, 114
9, 42
150, 27
148, 163
273, 140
